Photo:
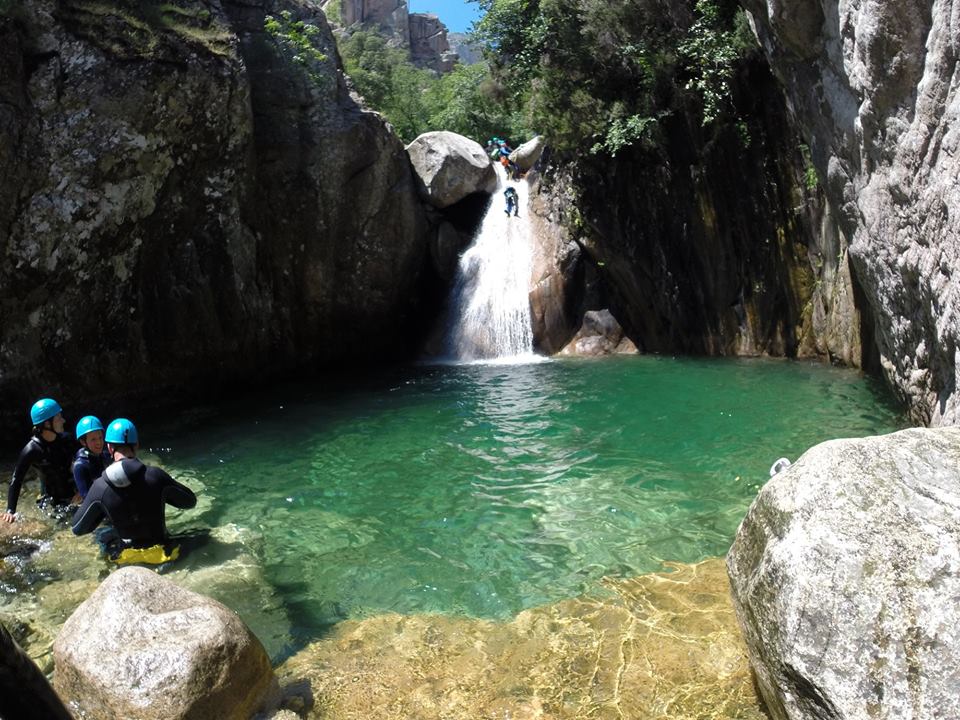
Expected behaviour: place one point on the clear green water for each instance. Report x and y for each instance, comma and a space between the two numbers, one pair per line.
487, 489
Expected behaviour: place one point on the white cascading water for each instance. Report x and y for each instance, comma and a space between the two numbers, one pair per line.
490, 309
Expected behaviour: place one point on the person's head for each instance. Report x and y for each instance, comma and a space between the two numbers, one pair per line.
47, 417
121, 437
90, 434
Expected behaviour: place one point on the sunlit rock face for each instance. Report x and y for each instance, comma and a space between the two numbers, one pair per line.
845, 576
143, 647
450, 168
663, 645
429, 46
874, 86
190, 198
713, 242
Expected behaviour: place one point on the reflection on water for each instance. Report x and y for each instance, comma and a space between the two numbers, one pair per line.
658, 646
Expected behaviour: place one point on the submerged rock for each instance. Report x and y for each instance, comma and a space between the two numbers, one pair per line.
846, 578
659, 645
600, 334
450, 167
142, 647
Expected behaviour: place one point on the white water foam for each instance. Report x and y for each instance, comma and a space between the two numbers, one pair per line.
490, 307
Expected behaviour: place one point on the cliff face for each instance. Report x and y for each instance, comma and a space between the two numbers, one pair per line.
429, 46
714, 243
392, 17
876, 89
421, 33
190, 196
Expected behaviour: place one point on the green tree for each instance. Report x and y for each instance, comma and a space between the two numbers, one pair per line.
599, 76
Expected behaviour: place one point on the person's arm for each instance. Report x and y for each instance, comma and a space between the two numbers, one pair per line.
173, 493
26, 459
83, 477
89, 515
180, 496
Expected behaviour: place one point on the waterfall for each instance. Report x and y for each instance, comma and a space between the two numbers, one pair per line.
490, 309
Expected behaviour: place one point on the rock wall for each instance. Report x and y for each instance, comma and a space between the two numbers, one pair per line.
185, 203
875, 88
712, 243
392, 17
429, 46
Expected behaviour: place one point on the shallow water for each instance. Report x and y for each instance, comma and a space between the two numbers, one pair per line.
485, 490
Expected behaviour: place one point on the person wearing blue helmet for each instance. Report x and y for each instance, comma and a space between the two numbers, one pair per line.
91, 459
49, 452
130, 496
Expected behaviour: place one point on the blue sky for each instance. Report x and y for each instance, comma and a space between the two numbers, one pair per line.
457, 15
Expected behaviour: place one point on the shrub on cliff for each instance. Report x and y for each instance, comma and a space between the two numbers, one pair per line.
466, 101
599, 76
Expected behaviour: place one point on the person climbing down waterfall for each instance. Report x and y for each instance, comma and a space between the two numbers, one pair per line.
513, 202
131, 496
92, 458
49, 452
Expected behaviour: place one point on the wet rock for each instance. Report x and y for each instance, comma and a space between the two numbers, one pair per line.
526, 155
450, 167
143, 647
445, 250
27, 531
667, 640
559, 282
845, 577
600, 334
873, 86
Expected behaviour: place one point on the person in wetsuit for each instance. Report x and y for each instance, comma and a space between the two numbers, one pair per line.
513, 201
91, 459
49, 452
130, 496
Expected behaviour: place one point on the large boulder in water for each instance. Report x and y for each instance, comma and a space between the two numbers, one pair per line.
142, 647
450, 167
526, 155
846, 580
599, 334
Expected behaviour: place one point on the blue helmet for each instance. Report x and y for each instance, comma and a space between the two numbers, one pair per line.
43, 410
121, 432
88, 424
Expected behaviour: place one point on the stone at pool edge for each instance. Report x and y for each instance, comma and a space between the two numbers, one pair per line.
845, 575
143, 647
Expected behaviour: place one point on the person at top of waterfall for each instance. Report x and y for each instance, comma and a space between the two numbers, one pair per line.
130, 495
505, 149
92, 458
49, 452
513, 201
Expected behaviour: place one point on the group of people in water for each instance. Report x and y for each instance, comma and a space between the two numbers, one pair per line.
98, 478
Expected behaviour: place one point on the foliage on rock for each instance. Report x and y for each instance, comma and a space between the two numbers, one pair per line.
465, 101
600, 76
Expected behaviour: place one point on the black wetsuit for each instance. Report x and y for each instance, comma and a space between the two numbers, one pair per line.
52, 462
87, 467
131, 497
